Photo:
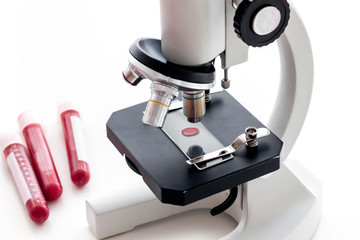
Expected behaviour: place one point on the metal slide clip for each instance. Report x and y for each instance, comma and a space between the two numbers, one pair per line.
249, 137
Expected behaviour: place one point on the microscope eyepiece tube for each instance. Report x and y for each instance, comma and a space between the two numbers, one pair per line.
194, 105
200, 23
159, 103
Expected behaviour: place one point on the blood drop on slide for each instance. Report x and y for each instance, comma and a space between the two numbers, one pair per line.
190, 131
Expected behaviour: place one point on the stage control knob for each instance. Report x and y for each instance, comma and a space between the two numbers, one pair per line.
260, 22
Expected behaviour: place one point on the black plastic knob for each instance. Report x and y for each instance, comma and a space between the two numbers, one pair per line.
260, 22
195, 151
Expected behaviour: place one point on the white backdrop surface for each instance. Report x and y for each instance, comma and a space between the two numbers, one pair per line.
55, 49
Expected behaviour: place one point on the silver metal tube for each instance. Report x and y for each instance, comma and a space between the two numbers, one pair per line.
194, 105
131, 76
159, 103
192, 31
225, 82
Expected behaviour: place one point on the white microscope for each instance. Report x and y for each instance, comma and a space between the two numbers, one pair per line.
195, 148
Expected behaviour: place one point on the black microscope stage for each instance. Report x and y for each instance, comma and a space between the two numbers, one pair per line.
163, 166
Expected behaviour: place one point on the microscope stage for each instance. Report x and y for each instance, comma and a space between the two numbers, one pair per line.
163, 165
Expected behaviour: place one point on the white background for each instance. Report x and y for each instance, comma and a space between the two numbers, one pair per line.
53, 49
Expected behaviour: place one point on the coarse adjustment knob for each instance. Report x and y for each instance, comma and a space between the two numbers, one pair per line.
260, 22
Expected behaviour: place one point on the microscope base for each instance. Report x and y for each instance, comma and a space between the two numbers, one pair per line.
283, 205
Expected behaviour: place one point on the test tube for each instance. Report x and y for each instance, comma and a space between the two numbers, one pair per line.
75, 142
12, 146
40, 154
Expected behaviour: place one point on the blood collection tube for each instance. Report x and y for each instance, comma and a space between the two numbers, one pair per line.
75, 142
40, 154
20, 167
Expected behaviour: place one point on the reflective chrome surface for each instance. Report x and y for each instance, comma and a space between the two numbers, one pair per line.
233, 147
225, 82
194, 105
131, 76
251, 137
164, 89
159, 103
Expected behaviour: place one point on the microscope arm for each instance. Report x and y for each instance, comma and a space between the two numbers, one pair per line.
296, 83
292, 208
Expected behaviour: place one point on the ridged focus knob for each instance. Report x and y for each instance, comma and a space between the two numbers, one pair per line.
260, 22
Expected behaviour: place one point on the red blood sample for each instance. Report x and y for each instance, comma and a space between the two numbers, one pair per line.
19, 164
190, 131
75, 143
41, 156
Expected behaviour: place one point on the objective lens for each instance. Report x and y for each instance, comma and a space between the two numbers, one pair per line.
194, 105
130, 76
159, 103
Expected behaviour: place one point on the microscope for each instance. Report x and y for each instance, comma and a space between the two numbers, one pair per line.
196, 148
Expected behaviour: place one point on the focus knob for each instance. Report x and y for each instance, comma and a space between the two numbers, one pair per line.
260, 22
